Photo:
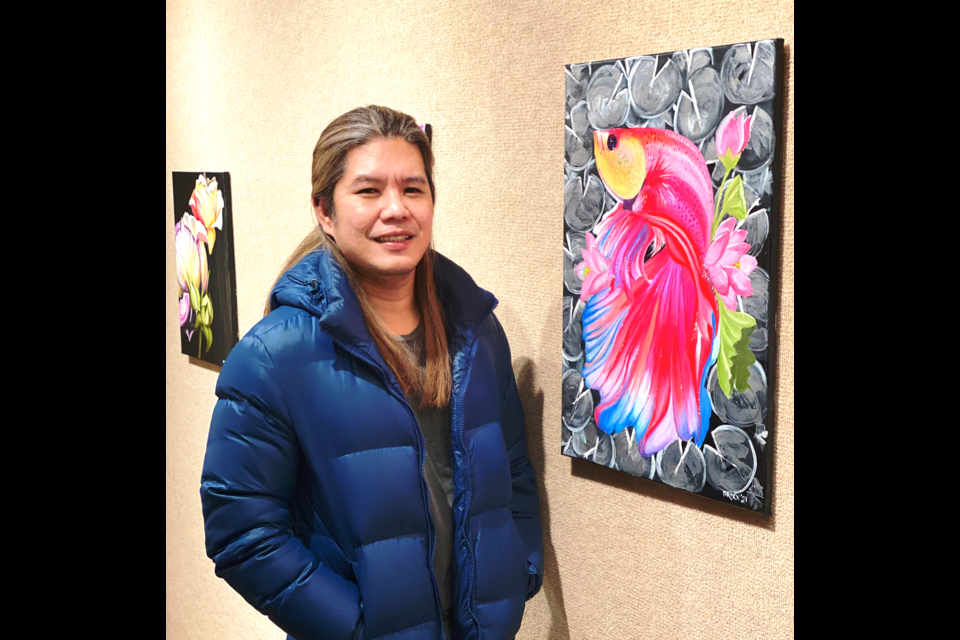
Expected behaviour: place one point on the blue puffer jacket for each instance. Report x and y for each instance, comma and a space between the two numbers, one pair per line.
314, 497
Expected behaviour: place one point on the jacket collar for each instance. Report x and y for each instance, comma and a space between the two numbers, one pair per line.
319, 286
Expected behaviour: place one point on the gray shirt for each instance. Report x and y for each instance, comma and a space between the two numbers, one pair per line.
438, 470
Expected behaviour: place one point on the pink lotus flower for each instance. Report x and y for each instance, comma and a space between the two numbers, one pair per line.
732, 136
206, 202
728, 264
594, 270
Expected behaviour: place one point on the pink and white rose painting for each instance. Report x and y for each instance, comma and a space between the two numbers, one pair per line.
206, 276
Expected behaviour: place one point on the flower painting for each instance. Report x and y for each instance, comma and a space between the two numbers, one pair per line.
206, 277
670, 212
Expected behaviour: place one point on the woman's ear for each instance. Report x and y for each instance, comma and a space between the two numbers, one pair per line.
324, 219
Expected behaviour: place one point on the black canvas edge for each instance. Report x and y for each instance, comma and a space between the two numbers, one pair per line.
773, 329
233, 267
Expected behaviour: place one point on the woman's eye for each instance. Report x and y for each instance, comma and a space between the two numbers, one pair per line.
414, 190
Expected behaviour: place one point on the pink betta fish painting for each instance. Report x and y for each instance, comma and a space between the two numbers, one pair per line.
671, 203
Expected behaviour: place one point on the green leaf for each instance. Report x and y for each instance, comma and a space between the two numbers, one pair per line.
735, 355
208, 334
194, 296
207, 307
735, 200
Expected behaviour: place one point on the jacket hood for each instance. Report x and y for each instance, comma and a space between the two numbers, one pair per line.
318, 285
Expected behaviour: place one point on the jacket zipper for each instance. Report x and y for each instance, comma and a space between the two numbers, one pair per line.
468, 484
423, 478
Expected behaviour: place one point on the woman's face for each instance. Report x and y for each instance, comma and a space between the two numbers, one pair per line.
383, 210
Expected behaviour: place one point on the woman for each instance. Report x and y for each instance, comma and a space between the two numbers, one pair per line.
366, 473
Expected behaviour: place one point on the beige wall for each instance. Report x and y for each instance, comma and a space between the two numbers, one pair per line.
251, 84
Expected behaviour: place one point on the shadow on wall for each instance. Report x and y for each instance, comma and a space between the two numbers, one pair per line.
532, 399
203, 364
624, 481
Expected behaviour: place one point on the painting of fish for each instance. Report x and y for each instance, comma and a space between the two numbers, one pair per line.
671, 204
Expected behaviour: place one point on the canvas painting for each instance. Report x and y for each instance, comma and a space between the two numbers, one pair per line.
671, 204
206, 277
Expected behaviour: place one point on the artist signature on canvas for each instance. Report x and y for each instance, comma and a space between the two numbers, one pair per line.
736, 497
751, 497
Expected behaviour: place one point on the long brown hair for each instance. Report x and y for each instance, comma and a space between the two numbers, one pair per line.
349, 131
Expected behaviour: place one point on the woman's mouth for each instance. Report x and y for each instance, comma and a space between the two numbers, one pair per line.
397, 238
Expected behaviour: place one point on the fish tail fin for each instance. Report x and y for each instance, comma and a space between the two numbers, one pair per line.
648, 350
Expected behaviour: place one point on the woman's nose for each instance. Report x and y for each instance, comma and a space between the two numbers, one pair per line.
394, 205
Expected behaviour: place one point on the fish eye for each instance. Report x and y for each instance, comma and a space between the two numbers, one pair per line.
611, 142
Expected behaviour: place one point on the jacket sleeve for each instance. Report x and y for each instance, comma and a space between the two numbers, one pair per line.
526, 502
249, 476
